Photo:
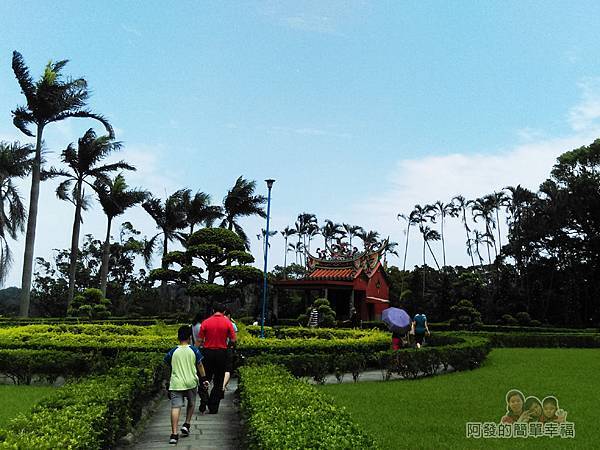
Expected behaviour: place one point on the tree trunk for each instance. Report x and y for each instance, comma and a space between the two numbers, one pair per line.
443, 243
285, 259
75, 243
499, 238
468, 239
105, 259
163, 265
433, 254
406, 247
34, 196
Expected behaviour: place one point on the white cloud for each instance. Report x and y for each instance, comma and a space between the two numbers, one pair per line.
586, 114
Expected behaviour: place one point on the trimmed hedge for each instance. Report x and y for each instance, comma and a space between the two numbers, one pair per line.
21, 365
445, 326
107, 339
283, 412
462, 353
565, 340
90, 414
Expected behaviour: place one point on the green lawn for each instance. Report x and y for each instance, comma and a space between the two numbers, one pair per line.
16, 399
431, 413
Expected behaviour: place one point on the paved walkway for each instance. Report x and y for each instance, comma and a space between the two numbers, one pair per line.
209, 431
213, 431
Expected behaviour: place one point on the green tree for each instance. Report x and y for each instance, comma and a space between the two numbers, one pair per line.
49, 100
199, 211
241, 201
462, 204
465, 316
15, 162
169, 217
287, 232
483, 208
115, 198
85, 170
214, 265
351, 231
331, 231
90, 304
443, 210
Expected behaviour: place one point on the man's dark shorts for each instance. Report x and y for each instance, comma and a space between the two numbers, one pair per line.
229, 361
177, 397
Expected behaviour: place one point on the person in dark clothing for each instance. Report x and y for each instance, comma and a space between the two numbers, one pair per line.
216, 334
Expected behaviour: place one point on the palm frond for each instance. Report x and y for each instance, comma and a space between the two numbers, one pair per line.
23, 77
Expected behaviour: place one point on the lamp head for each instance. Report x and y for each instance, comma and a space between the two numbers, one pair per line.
269, 182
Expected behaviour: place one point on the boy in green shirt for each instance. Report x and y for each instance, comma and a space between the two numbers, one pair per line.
185, 361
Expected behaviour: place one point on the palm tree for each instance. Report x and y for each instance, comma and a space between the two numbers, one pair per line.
429, 234
83, 163
262, 236
389, 247
199, 211
115, 198
240, 201
287, 232
480, 239
169, 218
51, 99
330, 231
442, 210
306, 226
351, 231
462, 204
410, 220
369, 238
15, 162
484, 208
499, 200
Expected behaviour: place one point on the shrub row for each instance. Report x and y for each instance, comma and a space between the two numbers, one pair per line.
142, 321
469, 353
107, 339
445, 326
461, 353
566, 340
283, 412
21, 365
366, 345
90, 414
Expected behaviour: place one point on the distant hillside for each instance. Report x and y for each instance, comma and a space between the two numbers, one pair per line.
9, 301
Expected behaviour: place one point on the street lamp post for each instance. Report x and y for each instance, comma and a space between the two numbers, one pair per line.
264, 300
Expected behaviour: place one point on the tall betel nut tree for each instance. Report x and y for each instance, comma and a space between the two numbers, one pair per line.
51, 99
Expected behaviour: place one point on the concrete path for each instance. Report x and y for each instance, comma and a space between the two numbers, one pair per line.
213, 431
209, 431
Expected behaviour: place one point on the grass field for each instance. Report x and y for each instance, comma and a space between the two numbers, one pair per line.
16, 399
431, 413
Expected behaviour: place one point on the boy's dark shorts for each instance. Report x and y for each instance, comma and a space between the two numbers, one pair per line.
177, 397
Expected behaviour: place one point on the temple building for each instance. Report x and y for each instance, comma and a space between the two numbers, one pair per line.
350, 280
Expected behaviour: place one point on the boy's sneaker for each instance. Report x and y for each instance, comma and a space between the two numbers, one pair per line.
174, 438
185, 430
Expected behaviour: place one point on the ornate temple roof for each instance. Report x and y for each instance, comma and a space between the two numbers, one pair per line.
342, 264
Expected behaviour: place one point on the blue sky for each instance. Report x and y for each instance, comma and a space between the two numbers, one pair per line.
358, 109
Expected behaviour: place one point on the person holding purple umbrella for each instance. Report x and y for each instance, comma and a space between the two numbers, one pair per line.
398, 322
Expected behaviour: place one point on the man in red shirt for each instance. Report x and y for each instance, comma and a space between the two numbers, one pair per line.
216, 333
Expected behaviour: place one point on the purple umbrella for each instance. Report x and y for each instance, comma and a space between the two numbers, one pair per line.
396, 319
